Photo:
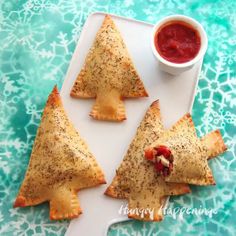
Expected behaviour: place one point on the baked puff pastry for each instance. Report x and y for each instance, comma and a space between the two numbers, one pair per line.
60, 165
108, 75
135, 180
181, 157
146, 187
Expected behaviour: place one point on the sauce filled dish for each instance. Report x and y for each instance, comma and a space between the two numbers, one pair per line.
177, 42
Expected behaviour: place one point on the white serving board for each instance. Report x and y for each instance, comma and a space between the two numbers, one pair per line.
109, 141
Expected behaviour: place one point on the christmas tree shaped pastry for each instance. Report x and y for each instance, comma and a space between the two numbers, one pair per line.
181, 157
60, 164
135, 179
139, 182
108, 75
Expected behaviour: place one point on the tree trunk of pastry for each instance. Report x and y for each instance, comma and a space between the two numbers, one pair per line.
108, 106
64, 204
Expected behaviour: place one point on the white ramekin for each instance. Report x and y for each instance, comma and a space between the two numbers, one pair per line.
177, 68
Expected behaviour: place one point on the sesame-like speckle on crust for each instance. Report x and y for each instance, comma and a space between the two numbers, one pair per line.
108, 75
60, 164
136, 179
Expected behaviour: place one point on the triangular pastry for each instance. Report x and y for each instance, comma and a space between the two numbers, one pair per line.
181, 157
60, 164
135, 179
108, 75
214, 144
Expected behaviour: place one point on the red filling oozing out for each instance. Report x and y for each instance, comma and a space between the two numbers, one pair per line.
157, 156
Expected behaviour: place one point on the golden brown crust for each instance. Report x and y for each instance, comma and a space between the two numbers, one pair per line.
60, 164
177, 189
108, 75
138, 182
185, 123
80, 96
64, 205
214, 143
19, 202
149, 198
136, 179
109, 107
190, 153
151, 126
54, 98
146, 211
157, 217
116, 191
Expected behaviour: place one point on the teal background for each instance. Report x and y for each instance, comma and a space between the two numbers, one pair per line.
37, 40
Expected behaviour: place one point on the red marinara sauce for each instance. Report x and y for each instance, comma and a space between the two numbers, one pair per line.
177, 42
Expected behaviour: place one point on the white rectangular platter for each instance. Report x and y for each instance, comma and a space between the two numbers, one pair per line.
109, 141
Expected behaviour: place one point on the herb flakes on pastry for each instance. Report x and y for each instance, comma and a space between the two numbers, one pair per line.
108, 75
135, 179
181, 157
60, 165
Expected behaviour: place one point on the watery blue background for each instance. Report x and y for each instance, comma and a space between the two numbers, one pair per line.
37, 40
